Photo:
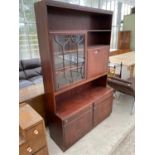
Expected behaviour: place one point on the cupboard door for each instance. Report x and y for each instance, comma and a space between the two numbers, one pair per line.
97, 61
69, 58
102, 110
77, 128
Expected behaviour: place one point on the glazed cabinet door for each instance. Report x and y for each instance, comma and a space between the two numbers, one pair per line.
68, 58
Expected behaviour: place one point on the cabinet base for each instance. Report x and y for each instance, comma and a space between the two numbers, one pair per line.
66, 131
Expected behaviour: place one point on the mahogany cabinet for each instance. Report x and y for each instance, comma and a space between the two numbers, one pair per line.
74, 44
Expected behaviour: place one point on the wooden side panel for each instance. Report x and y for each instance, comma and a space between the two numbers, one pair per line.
56, 131
97, 61
45, 53
38, 103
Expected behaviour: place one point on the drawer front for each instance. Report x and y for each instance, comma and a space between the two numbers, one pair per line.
77, 128
97, 61
25, 149
43, 151
36, 138
102, 110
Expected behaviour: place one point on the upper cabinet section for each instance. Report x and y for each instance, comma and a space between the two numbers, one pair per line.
68, 57
67, 34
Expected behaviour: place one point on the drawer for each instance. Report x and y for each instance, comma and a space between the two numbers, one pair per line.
25, 149
36, 137
102, 109
77, 128
97, 61
43, 151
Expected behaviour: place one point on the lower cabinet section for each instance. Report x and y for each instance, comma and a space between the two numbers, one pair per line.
65, 130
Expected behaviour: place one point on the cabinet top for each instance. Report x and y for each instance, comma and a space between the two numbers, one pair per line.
28, 116
76, 7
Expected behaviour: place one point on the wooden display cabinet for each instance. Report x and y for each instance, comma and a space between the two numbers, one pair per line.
74, 44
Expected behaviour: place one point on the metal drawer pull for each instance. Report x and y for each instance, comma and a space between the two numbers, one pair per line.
29, 149
35, 132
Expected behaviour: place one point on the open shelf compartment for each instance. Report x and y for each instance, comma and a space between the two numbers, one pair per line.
70, 102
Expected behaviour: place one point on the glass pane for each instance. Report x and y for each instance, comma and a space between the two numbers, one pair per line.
74, 1
28, 7
86, 3
21, 13
69, 59
24, 49
104, 4
95, 4
33, 40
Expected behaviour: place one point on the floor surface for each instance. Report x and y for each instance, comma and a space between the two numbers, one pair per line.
127, 146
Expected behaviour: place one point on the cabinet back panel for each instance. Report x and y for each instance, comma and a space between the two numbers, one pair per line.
98, 38
96, 83
67, 19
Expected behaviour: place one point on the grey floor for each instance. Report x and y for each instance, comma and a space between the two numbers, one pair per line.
127, 146
113, 136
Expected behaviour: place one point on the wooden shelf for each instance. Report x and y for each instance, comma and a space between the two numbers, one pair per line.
69, 52
79, 31
68, 68
68, 32
98, 30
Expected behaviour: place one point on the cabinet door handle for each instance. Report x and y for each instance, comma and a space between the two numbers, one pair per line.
29, 149
35, 132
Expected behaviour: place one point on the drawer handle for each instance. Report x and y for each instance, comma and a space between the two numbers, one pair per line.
29, 149
35, 132
96, 52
